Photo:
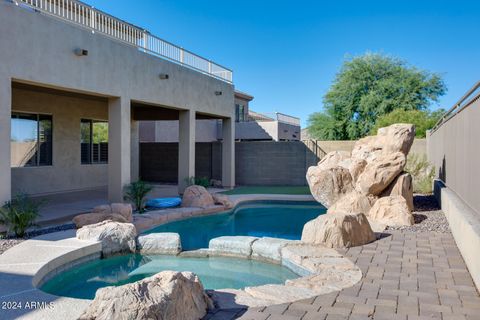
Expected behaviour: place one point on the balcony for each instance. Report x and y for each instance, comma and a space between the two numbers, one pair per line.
96, 21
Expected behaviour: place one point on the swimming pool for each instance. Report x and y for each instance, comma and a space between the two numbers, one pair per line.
279, 219
215, 273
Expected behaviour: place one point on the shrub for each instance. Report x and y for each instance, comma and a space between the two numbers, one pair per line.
199, 181
422, 173
19, 214
136, 192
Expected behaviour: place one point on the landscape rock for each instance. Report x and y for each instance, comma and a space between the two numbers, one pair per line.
338, 230
197, 196
379, 173
92, 218
269, 248
123, 209
329, 185
353, 202
332, 159
166, 295
223, 200
391, 211
401, 186
232, 245
115, 237
397, 138
159, 243
354, 166
367, 148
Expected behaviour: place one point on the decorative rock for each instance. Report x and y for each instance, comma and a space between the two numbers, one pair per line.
401, 186
92, 218
115, 237
366, 149
232, 245
332, 159
327, 186
196, 196
166, 295
279, 293
159, 243
338, 230
392, 211
379, 173
124, 209
397, 137
354, 166
269, 248
222, 199
353, 202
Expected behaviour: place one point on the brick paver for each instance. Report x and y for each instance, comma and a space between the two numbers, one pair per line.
406, 275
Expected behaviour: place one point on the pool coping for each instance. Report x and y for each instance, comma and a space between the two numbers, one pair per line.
32, 262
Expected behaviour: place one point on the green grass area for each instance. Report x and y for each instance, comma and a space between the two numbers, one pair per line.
270, 190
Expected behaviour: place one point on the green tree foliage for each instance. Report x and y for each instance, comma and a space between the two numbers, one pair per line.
423, 120
368, 87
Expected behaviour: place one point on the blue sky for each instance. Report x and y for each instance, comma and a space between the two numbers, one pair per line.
286, 53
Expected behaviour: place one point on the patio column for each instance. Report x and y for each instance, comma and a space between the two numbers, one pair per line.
135, 150
5, 123
186, 148
228, 153
118, 147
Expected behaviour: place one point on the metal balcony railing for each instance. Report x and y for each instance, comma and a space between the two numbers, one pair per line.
81, 14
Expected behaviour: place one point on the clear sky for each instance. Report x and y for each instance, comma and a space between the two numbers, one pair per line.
286, 53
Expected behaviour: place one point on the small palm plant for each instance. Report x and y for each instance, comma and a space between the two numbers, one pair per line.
19, 214
136, 192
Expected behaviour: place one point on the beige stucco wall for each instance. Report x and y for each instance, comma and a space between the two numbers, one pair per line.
66, 172
419, 145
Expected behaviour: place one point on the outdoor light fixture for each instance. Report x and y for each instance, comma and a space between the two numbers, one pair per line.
80, 52
163, 76
218, 93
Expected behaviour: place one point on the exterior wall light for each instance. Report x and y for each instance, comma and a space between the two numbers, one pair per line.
80, 52
218, 93
163, 76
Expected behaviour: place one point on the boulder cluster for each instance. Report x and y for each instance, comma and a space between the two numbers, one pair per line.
363, 190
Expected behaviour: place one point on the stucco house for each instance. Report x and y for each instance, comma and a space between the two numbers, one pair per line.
249, 126
74, 84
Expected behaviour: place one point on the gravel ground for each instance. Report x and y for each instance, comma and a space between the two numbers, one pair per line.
7, 243
427, 215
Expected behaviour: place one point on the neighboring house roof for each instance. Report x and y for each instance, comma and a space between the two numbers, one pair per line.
255, 116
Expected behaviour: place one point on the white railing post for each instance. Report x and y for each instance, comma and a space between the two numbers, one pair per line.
209, 67
181, 55
93, 16
145, 39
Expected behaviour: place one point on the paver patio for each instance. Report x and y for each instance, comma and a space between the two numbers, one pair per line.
406, 275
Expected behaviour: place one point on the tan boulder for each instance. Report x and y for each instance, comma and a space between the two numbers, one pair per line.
165, 295
197, 196
367, 148
397, 137
338, 230
124, 209
391, 211
354, 166
379, 173
401, 186
329, 185
115, 237
332, 159
353, 202
223, 200
92, 218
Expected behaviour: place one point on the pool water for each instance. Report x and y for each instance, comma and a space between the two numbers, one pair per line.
215, 273
279, 219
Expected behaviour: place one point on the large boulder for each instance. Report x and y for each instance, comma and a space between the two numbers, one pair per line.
197, 196
164, 296
329, 185
367, 148
391, 211
332, 159
379, 173
115, 237
396, 138
353, 202
123, 209
159, 243
223, 200
354, 166
338, 230
401, 186
85, 219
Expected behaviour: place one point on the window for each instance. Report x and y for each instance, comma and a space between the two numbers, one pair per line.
93, 141
31, 140
239, 113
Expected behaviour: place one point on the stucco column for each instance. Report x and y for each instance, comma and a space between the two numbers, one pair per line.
186, 148
228, 153
5, 123
135, 151
118, 147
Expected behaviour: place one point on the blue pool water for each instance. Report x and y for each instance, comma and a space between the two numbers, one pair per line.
279, 219
215, 273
